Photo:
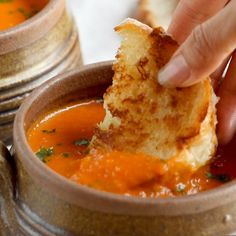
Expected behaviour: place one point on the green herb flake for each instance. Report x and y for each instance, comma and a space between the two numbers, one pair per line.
209, 175
65, 154
25, 13
82, 142
180, 188
49, 131
220, 177
43, 153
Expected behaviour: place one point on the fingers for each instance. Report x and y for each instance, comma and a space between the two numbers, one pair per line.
189, 14
226, 108
203, 51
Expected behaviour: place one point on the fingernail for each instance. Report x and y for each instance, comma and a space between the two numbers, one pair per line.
175, 73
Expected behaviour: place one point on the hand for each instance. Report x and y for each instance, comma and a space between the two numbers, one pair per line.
206, 32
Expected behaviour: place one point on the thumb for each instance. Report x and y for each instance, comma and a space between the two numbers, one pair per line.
203, 51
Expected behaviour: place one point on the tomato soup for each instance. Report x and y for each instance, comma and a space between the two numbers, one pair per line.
61, 137
13, 12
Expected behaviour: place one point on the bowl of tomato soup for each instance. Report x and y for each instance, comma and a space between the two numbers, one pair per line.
54, 186
38, 40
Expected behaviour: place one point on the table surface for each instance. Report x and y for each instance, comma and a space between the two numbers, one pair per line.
96, 21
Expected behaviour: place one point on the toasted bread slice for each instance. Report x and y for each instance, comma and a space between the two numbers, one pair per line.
156, 12
144, 117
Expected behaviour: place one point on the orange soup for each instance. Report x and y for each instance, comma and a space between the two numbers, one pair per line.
13, 12
61, 137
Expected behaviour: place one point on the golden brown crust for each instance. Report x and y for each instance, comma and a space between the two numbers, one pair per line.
149, 118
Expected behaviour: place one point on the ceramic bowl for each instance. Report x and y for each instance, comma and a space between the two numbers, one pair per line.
33, 52
38, 201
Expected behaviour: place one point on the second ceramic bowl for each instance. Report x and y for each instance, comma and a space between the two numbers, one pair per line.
33, 52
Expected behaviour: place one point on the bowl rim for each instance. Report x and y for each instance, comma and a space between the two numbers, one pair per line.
93, 199
32, 29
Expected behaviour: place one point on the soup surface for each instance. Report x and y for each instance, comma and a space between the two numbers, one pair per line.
13, 12
61, 137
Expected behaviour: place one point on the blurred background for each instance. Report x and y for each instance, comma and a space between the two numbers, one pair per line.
96, 21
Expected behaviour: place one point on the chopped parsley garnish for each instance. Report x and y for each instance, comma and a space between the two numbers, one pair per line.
82, 142
65, 154
43, 153
209, 175
180, 188
49, 131
220, 177
24, 12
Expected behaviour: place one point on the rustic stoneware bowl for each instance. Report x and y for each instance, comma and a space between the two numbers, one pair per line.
33, 52
37, 201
